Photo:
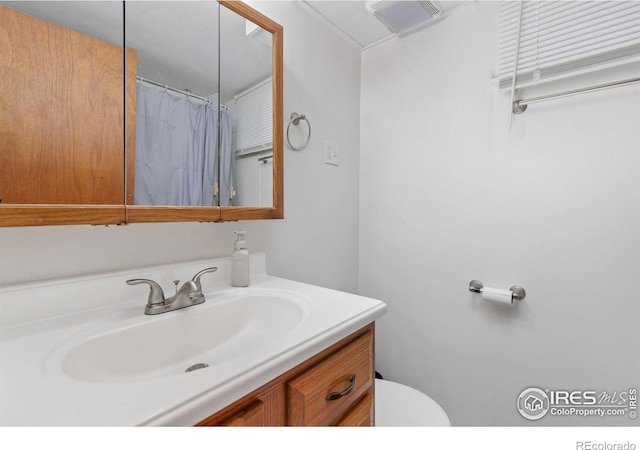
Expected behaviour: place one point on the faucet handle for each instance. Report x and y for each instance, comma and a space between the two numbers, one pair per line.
156, 294
196, 277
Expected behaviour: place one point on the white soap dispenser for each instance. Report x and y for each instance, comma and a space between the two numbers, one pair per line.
240, 261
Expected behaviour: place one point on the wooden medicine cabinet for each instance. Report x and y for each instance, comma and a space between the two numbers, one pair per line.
75, 141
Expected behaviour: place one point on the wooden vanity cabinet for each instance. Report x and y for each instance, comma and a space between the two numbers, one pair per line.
260, 409
299, 397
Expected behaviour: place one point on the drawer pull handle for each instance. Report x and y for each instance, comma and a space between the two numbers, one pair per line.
347, 391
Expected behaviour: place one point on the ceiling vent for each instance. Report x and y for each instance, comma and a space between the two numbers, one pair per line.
401, 16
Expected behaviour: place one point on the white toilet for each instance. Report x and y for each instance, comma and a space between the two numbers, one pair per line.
397, 405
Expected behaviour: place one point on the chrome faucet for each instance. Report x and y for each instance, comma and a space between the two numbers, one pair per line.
189, 294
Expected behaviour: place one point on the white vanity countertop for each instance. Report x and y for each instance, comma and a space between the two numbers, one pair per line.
39, 322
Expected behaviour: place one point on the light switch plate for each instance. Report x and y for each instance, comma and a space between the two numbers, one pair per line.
331, 153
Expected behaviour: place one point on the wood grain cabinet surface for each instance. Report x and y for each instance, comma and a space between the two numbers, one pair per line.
61, 123
335, 387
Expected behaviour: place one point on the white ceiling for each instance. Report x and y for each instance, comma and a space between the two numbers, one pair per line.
177, 41
351, 20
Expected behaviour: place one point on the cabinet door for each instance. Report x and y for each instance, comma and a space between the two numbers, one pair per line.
254, 187
263, 408
61, 124
251, 416
244, 50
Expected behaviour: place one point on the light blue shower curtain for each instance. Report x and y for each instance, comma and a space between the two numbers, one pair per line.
176, 141
210, 164
226, 159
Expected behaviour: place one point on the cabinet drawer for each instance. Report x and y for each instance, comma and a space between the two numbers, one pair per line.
361, 415
349, 367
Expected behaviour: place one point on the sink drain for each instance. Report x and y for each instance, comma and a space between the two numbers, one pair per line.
196, 367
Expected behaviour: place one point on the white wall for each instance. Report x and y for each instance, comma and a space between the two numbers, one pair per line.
316, 242
448, 195
253, 179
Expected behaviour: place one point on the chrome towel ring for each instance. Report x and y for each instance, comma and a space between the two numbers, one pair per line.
295, 120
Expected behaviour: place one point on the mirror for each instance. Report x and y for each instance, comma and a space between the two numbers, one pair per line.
246, 96
251, 91
176, 118
206, 114
87, 182
61, 112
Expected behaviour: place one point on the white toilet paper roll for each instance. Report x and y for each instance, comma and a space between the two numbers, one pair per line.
497, 296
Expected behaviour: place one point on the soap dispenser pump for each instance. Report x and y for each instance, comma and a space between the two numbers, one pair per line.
240, 261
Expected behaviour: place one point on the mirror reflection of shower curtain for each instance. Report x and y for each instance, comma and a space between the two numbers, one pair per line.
176, 142
226, 159
210, 163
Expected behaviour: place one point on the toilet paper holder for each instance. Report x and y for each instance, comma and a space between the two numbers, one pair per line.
517, 292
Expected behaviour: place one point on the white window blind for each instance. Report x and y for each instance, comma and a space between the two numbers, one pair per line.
254, 119
559, 39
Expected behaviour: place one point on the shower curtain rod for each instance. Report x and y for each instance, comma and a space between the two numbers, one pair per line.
520, 106
169, 88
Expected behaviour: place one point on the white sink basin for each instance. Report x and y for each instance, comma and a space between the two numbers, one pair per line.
80, 351
219, 331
